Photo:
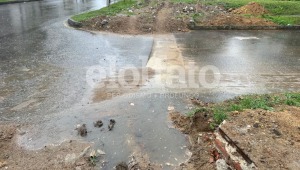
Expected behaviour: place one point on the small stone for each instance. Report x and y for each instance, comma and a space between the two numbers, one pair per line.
276, 132
104, 22
80, 163
98, 124
111, 125
122, 166
82, 130
171, 108
185, 9
168, 164
221, 164
2, 164
256, 125
22, 133
100, 152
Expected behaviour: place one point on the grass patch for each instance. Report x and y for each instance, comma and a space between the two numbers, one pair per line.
275, 7
284, 20
112, 10
218, 117
292, 99
278, 9
197, 110
5, 1
266, 101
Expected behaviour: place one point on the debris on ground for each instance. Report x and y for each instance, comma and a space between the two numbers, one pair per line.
251, 138
272, 138
82, 130
68, 155
98, 123
168, 17
122, 166
111, 125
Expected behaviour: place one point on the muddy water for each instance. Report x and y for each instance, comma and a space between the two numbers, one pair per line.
142, 113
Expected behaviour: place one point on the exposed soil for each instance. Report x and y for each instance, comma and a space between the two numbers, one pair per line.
200, 138
252, 8
167, 17
270, 139
247, 15
235, 20
158, 19
49, 157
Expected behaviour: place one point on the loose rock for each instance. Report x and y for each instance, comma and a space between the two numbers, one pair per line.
111, 125
98, 123
82, 130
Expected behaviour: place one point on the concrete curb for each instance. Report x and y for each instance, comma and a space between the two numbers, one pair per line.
74, 24
14, 2
228, 27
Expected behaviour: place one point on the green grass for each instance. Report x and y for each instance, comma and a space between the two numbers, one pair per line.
275, 7
284, 20
196, 110
292, 99
5, 0
218, 117
106, 11
266, 101
278, 9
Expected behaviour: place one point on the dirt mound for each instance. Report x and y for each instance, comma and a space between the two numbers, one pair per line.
252, 8
235, 20
270, 139
200, 138
147, 20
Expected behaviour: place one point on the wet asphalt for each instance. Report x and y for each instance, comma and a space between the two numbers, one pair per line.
44, 68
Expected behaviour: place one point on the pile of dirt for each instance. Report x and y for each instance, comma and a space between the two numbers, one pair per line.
167, 17
235, 20
147, 20
201, 139
252, 8
49, 157
270, 139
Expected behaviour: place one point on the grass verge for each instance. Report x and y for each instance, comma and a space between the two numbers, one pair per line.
111, 10
279, 9
5, 1
266, 101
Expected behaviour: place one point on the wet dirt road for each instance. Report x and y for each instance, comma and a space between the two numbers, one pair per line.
45, 79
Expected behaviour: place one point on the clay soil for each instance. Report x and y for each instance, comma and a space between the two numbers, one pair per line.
167, 17
147, 20
201, 139
247, 15
270, 138
49, 157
